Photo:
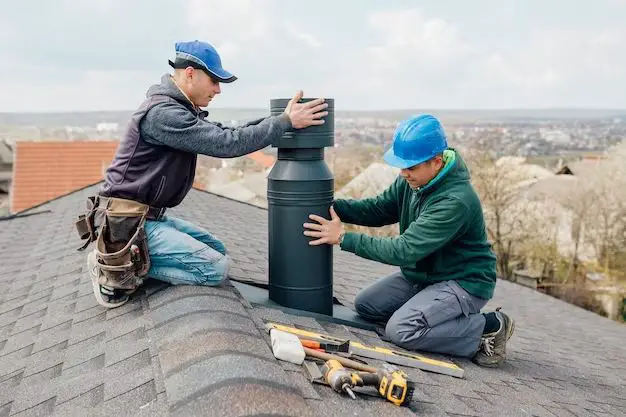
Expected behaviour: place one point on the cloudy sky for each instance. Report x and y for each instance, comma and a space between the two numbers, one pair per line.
69, 55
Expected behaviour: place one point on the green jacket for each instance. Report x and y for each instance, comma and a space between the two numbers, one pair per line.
442, 230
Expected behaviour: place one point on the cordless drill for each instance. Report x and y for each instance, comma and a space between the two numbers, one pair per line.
390, 382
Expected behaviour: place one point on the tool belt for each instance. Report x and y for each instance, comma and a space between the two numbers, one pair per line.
117, 227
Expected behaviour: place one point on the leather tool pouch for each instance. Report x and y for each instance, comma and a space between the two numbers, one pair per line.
117, 227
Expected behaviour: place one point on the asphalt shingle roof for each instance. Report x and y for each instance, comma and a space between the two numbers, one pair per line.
203, 350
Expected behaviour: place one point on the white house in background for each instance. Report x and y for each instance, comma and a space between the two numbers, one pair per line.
107, 127
372, 181
521, 170
250, 188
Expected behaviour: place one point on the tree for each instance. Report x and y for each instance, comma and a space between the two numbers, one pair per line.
514, 223
606, 221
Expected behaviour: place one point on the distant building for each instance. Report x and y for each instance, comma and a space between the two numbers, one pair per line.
372, 181
555, 135
6, 167
43, 171
107, 127
262, 159
584, 167
249, 188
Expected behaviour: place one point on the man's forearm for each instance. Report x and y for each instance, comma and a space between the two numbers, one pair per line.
369, 212
249, 138
179, 130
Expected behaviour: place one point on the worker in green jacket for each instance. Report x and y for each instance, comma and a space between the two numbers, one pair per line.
447, 268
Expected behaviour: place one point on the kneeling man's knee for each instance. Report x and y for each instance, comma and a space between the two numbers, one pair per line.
215, 273
406, 331
363, 304
360, 304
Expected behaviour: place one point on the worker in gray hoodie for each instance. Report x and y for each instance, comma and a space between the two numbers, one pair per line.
155, 164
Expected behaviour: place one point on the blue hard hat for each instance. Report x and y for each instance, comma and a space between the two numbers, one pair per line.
201, 55
416, 140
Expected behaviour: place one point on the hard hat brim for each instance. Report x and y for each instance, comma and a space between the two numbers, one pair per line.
395, 161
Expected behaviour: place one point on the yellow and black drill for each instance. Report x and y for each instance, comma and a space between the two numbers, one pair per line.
390, 382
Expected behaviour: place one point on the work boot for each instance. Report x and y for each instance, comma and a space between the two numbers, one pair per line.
105, 296
492, 349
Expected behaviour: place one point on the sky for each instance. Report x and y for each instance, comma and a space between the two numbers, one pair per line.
74, 55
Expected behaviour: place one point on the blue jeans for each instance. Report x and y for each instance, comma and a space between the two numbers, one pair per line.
182, 253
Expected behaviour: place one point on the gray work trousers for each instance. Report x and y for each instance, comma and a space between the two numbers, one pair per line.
439, 318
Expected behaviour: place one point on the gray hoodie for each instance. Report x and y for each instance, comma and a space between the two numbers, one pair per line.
155, 162
181, 126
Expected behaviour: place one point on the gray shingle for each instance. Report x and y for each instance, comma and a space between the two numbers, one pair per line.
44, 375
41, 360
26, 322
226, 368
210, 344
19, 341
128, 365
133, 306
186, 324
5, 409
7, 329
81, 405
138, 401
159, 299
9, 317
195, 304
306, 388
91, 365
125, 346
130, 381
42, 409
254, 400
14, 360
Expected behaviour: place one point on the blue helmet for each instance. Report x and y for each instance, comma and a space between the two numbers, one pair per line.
416, 140
201, 55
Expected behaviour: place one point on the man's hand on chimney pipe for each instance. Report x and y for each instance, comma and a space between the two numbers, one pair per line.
305, 114
327, 231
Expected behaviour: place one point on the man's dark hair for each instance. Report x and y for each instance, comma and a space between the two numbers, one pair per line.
184, 63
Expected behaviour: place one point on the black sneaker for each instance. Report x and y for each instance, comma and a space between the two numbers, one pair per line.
105, 296
492, 349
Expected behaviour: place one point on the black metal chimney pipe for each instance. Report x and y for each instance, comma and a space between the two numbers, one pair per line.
300, 183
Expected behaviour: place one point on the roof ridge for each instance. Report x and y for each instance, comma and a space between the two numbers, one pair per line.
229, 198
26, 211
233, 356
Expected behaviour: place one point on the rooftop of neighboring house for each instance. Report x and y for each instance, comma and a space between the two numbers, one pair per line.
203, 350
43, 170
582, 167
373, 180
262, 159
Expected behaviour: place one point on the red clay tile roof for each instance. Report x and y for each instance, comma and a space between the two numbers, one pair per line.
264, 160
46, 170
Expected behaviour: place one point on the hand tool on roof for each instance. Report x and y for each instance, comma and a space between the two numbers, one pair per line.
396, 357
339, 378
394, 385
390, 382
313, 373
344, 361
326, 347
